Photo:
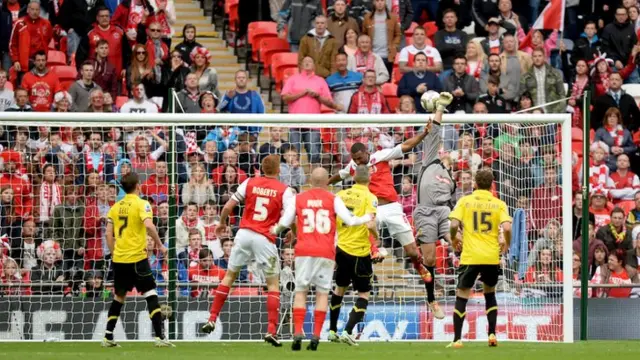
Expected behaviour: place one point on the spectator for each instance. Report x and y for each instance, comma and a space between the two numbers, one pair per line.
577, 217
189, 255
495, 103
129, 14
31, 35
41, 83
594, 243
211, 220
9, 12
161, 221
95, 159
189, 97
619, 37
383, 27
10, 275
299, 16
140, 72
10, 176
321, 46
100, 101
547, 199
274, 145
223, 262
600, 72
6, 96
305, 93
623, 183
343, 83
9, 222
618, 98
339, 22
544, 83
615, 235
48, 271
68, 229
577, 85
599, 258
157, 184
418, 81
466, 185
405, 61
509, 20
21, 103
291, 173
199, 190
408, 196
513, 61
229, 157
486, 151
105, 74
164, 13
207, 76
188, 43
229, 185
633, 218
550, 238
205, 272
225, 136
179, 71
464, 157
588, 46
476, 59
492, 44
615, 136
24, 246
122, 168
510, 81
139, 102
242, 100
364, 59
104, 32
207, 102
368, 99
143, 161
543, 271
633, 255
535, 40
95, 226
188, 221
80, 89
50, 195
75, 18
350, 42
210, 157
462, 86
247, 155
615, 273
450, 41
94, 285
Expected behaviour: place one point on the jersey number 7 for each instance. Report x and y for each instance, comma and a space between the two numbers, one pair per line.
125, 223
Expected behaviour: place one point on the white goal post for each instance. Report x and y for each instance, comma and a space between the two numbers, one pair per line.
526, 322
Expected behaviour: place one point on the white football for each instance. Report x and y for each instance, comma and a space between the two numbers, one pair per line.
428, 100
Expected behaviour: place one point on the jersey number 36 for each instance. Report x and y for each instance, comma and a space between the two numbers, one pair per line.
316, 221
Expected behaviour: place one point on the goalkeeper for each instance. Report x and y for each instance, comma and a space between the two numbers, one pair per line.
436, 187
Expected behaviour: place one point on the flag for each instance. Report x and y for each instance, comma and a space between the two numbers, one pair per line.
551, 18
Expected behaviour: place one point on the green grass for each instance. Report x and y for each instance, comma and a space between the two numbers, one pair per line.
598, 350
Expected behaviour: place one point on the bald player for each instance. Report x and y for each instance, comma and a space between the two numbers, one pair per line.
316, 211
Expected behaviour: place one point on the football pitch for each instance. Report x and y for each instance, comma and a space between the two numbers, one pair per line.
618, 350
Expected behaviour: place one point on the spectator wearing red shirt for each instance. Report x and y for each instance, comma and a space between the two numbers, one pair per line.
143, 161
614, 272
9, 275
546, 200
95, 221
205, 272
544, 271
19, 183
95, 159
623, 184
408, 196
112, 34
129, 14
158, 183
41, 83
211, 220
368, 99
31, 35
229, 157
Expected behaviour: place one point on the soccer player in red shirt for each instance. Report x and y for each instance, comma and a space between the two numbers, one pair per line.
316, 211
264, 199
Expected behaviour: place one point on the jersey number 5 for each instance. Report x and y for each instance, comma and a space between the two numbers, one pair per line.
316, 221
260, 211
481, 221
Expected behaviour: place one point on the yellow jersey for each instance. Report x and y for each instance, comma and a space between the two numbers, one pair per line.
128, 216
354, 240
481, 215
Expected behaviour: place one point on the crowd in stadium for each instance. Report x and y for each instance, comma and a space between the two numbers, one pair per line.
358, 56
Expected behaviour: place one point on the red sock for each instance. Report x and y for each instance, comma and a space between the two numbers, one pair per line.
318, 322
218, 302
417, 262
273, 311
298, 320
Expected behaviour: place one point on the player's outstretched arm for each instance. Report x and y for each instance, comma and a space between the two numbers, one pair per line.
347, 218
433, 142
335, 178
506, 230
110, 238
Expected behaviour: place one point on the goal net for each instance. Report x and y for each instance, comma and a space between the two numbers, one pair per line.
60, 175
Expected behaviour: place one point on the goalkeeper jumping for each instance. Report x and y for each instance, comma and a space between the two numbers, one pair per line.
436, 187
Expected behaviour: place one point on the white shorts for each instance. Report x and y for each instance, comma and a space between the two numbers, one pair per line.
392, 216
315, 271
249, 245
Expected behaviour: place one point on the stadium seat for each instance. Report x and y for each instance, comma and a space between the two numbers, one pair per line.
627, 205
409, 31
256, 32
231, 18
393, 102
430, 28
279, 62
268, 47
121, 100
390, 91
55, 57
66, 85
65, 72
576, 134
577, 147
288, 72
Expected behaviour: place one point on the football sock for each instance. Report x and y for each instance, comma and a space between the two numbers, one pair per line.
336, 306
459, 312
298, 320
155, 314
318, 322
431, 297
273, 311
492, 311
218, 302
112, 318
357, 314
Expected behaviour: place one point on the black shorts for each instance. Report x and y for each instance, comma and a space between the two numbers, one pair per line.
126, 276
469, 273
355, 270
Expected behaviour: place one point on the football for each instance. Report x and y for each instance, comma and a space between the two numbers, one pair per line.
428, 100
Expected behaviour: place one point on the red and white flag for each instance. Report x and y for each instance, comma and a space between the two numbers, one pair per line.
552, 17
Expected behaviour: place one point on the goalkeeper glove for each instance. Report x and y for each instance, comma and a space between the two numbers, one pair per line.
443, 101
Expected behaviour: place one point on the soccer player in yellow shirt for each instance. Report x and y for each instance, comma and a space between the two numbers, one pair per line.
128, 222
480, 215
355, 255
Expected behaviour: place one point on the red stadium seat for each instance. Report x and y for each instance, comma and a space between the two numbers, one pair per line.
409, 31
576, 134
263, 30
577, 147
390, 92
55, 57
270, 47
430, 28
393, 102
65, 72
627, 205
280, 62
66, 84
231, 9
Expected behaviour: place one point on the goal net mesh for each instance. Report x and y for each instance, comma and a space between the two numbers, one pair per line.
58, 183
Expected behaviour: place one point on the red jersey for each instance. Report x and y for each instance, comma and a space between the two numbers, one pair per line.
41, 89
22, 199
113, 35
316, 224
264, 199
213, 275
623, 187
28, 37
381, 184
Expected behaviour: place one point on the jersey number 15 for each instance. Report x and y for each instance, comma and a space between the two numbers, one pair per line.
482, 221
